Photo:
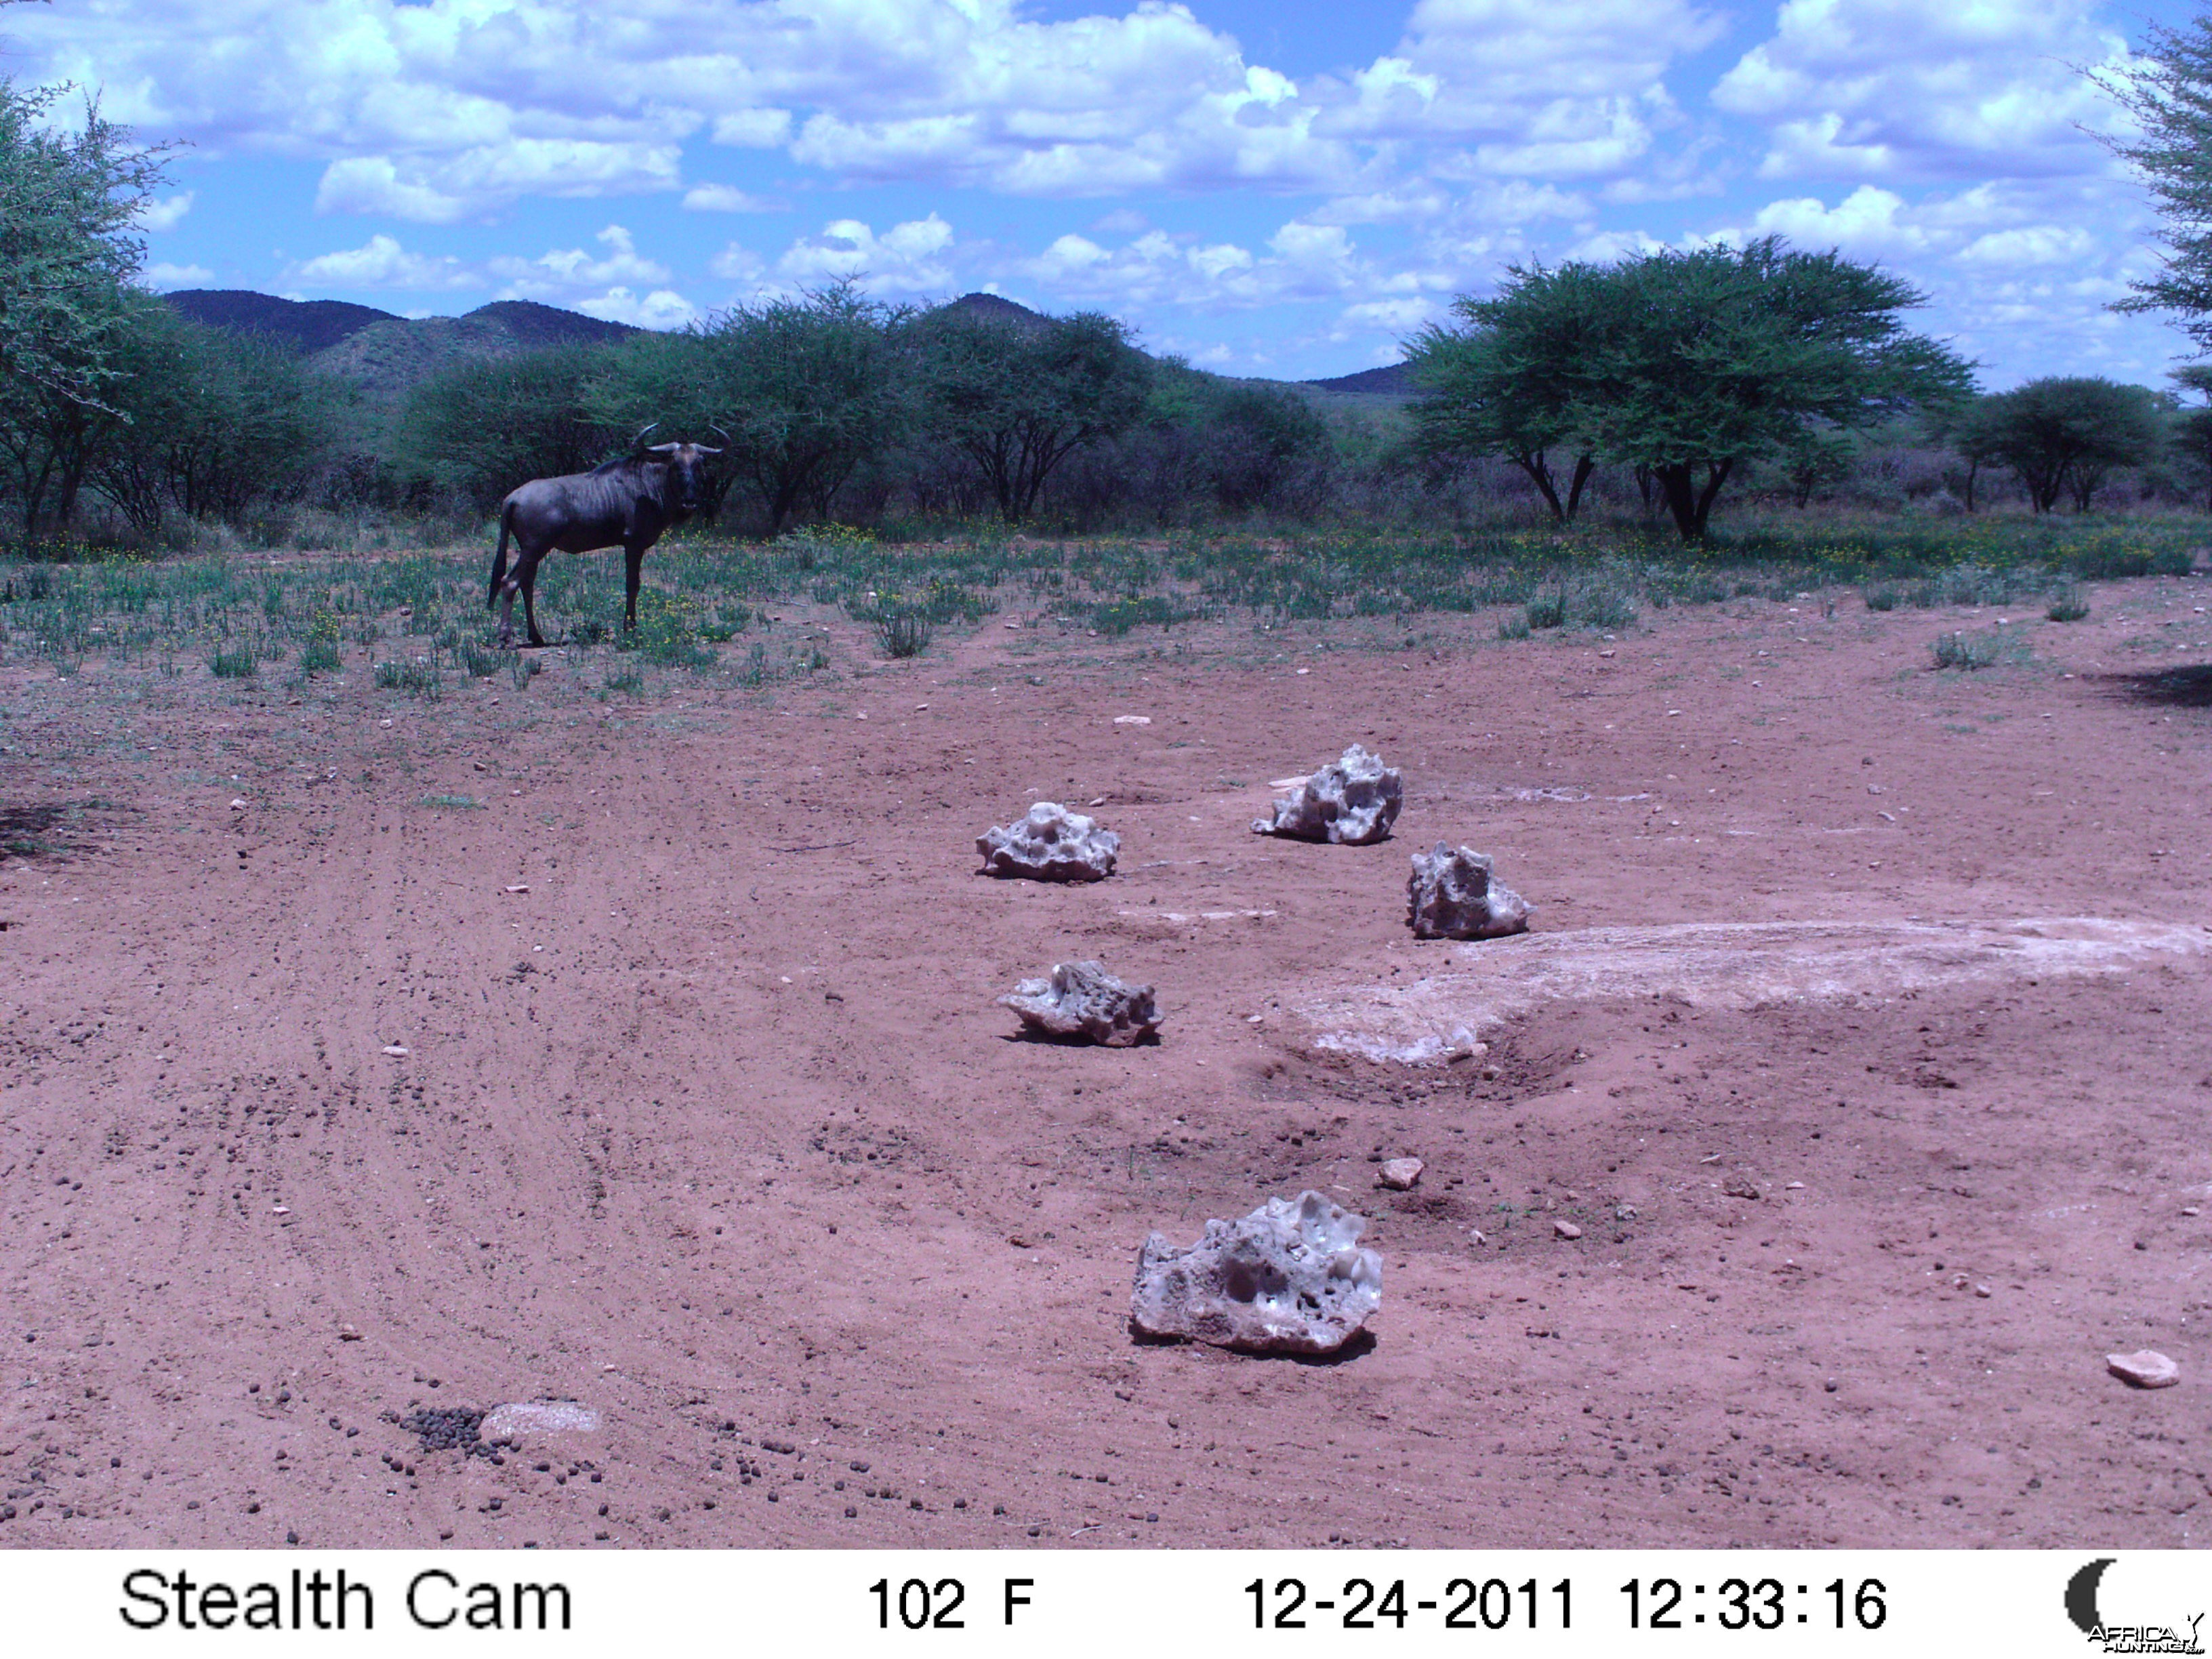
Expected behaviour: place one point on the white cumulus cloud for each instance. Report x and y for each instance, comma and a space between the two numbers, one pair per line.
166, 214
381, 261
910, 258
162, 277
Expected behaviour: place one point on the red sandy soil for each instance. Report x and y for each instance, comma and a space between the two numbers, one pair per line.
717, 1128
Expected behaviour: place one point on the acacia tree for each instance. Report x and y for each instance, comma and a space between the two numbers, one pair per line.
2168, 90
1017, 396
208, 419
67, 203
480, 429
1505, 381
1689, 364
2063, 434
804, 390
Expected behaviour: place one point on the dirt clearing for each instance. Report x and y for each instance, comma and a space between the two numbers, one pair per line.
372, 1062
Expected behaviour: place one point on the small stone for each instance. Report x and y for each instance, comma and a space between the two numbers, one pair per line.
520, 887
538, 1418
1400, 1174
1476, 1235
238, 806
2146, 1367
1049, 843
1290, 1277
348, 1333
1566, 1229
1981, 1290
1133, 720
395, 1048
1349, 802
1741, 1187
1452, 895
1082, 1000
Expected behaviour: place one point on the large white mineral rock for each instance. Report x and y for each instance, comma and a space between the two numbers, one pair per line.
1081, 999
1350, 801
1453, 895
1290, 1277
1049, 843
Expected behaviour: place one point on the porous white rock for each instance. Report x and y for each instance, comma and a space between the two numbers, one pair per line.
1049, 843
1351, 802
1081, 999
1290, 1277
1453, 895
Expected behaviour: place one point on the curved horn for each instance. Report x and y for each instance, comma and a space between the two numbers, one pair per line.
708, 449
638, 442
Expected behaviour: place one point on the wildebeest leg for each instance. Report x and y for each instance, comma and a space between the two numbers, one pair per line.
530, 601
633, 563
522, 579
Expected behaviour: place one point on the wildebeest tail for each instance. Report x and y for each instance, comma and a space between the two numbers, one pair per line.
499, 558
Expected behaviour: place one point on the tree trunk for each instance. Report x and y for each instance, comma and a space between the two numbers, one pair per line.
1532, 463
1690, 505
1674, 482
1584, 466
1973, 466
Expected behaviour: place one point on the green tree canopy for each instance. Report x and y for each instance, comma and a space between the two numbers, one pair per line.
1509, 380
480, 429
67, 203
1017, 396
2063, 435
1685, 363
802, 391
2168, 90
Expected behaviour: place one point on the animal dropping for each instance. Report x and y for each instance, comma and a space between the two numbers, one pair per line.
1049, 843
1453, 895
1290, 1277
1350, 802
1082, 1000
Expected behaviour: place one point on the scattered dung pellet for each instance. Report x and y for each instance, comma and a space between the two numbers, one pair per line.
291, 1537
603, 1509
858, 1469
997, 1509
849, 1511
914, 1502
959, 1503
838, 1486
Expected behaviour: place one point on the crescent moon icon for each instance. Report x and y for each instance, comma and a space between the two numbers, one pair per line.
2081, 1596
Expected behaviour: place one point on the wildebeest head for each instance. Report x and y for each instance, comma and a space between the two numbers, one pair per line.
686, 486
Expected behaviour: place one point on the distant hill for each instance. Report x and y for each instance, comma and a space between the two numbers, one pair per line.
993, 308
306, 325
1393, 380
387, 360
387, 357
384, 356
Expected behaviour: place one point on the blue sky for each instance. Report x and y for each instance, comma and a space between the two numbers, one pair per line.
1285, 189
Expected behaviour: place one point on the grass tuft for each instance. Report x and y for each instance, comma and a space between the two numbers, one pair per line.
1966, 651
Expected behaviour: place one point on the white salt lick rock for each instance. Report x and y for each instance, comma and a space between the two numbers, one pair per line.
1049, 843
1349, 802
1290, 1277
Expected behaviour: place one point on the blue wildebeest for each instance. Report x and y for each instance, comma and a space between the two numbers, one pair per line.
626, 503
